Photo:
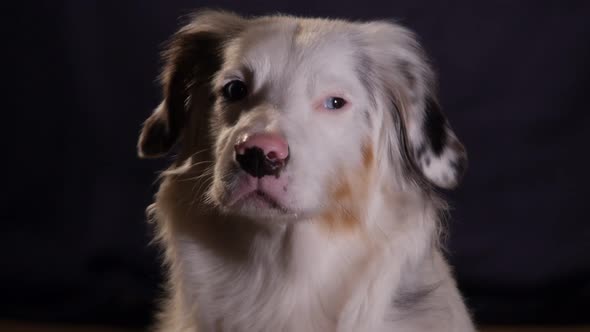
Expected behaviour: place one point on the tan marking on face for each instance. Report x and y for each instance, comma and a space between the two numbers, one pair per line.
368, 156
348, 198
342, 192
341, 215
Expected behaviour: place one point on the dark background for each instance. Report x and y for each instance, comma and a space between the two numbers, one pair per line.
79, 79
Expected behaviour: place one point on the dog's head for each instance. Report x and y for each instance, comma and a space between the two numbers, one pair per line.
297, 115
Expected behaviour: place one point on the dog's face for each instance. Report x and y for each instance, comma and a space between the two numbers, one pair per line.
301, 116
303, 99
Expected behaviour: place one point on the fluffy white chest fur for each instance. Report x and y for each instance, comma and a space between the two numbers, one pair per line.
303, 276
302, 194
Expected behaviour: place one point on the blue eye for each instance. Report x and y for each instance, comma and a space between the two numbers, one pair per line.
334, 103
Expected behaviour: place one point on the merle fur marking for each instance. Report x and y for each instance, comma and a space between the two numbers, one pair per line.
435, 126
460, 166
411, 299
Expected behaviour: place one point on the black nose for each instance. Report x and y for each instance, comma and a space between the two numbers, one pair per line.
256, 163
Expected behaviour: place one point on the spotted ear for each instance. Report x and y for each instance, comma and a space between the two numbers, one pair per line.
192, 56
430, 148
433, 147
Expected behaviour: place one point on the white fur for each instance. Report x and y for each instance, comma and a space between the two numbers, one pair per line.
243, 269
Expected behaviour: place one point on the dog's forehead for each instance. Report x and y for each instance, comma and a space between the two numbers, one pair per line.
293, 45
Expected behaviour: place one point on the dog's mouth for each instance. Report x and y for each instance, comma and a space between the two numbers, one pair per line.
252, 195
260, 199
263, 199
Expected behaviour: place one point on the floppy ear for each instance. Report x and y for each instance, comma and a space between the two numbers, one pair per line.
429, 145
191, 59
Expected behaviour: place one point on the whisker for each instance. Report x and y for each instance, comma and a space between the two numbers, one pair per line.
206, 173
196, 153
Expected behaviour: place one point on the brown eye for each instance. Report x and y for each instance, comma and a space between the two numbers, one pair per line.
235, 90
334, 103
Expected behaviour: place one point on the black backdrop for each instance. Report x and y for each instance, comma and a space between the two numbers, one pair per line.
514, 79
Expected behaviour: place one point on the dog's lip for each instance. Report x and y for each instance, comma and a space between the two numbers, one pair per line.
255, 191
263, 196
271, 202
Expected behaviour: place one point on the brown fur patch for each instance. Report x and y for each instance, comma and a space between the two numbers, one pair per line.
368, 156
348, 198
342, 192
342, 214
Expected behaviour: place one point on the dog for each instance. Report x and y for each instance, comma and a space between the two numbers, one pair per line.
303, 195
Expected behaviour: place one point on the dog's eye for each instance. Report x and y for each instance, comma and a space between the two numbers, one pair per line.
334, 103
235, 90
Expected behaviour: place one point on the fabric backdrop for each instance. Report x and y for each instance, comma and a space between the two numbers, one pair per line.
514, 80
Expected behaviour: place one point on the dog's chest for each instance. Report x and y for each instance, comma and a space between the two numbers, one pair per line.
265, 295
259, 298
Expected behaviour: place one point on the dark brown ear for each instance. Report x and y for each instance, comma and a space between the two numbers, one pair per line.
156, 137
192, 57
430, 147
